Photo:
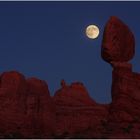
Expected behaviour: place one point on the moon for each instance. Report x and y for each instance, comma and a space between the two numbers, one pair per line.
92, 31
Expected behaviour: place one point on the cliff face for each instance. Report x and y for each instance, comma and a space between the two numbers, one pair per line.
124, 112
76, 113
26, 108
28, 111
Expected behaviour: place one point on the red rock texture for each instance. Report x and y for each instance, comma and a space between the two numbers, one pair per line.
12, 102
76, 112
26, 108
124, 112
28, 111
118, 42
74, 94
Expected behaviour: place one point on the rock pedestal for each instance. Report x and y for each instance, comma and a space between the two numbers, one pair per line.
124, 112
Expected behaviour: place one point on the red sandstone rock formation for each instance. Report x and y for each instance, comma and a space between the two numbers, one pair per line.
28, 111
76, 112
75, 94
26, 108
40, 108
13, 91
124, 113
118, 41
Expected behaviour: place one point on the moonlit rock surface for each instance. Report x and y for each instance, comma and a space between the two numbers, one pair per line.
118, 42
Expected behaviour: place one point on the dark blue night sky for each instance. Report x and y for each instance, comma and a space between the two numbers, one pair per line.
47, 40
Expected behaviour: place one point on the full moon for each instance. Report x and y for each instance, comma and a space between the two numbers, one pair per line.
92, 31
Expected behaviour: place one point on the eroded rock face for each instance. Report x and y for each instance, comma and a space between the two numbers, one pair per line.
76, 112
124, 112
12, 102
118, 42
40, 109
28, 111
26, 108
74, 94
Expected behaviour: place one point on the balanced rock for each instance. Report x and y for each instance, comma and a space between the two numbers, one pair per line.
28, 111
118, 42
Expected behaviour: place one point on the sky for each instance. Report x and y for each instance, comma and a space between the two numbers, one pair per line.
47, 40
